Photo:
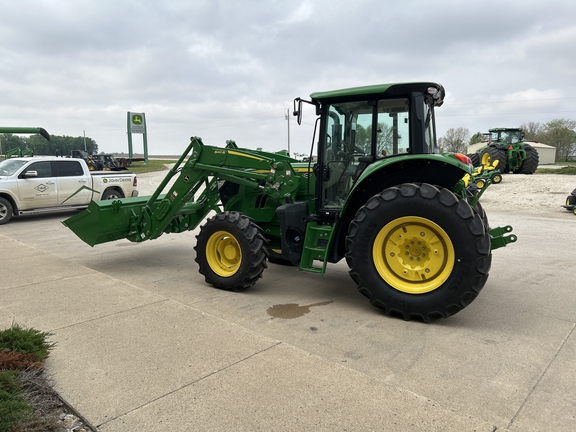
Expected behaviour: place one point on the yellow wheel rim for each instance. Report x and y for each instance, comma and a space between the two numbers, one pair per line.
497, 179
223, 254
567, 201
480, 184
413, 255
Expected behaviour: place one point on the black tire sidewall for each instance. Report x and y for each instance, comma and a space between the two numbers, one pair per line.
233, 223
106, 195
472, 254
9, 211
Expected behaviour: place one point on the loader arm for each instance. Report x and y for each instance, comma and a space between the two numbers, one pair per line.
192, 192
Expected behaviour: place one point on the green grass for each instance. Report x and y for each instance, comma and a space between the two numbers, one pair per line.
153, 165
570, 170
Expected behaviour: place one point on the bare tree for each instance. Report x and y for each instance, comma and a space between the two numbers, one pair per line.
455, 140
532, 131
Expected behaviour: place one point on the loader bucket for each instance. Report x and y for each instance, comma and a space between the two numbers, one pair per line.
106, 221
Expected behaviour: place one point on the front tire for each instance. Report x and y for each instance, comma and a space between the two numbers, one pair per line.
496, 178
231, 251
419, 252
6, 211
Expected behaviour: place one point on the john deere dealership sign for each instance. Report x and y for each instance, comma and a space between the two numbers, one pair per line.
137, 122
137, 125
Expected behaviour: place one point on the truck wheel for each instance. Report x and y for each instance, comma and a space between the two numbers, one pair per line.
112, 194
418, 251
231, 251
6, 211
530, 164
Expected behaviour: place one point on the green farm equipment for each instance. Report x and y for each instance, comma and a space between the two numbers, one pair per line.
506, 146
379, 195
18, 152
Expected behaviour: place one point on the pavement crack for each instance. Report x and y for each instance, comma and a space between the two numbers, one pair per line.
99, 317
541, 377
191, 383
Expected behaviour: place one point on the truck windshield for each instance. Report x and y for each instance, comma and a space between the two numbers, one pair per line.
9, 166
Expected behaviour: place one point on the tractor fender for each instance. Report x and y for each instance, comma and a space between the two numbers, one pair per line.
442, 170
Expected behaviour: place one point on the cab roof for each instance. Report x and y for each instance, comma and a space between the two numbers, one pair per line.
380, 91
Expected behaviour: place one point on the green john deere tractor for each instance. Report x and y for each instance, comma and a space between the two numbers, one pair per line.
379, 195
507, 148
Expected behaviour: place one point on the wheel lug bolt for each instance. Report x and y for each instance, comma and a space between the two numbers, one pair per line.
427, 270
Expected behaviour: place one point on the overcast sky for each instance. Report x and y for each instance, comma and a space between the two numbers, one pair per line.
225, 69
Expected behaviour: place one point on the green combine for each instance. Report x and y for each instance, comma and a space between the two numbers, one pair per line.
418, 245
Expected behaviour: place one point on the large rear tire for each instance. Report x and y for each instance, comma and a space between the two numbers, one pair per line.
497, 154
231, 251
530, 164
419, 252
475, 158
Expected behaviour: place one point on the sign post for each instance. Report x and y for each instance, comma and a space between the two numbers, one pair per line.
137, 125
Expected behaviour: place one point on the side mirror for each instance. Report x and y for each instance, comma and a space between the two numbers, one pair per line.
298, 110
30, 174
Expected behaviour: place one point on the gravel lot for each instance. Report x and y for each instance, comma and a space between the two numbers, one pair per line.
536, 194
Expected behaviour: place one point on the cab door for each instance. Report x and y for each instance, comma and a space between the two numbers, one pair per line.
73, 184
37, 186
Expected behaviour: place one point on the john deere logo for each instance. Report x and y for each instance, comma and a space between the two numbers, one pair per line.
137, 119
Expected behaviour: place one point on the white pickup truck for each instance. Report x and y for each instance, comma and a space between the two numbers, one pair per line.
45, 184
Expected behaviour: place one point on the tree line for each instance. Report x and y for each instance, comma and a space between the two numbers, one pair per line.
559, 133
57, 145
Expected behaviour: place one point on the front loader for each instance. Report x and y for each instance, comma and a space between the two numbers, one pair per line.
379, 195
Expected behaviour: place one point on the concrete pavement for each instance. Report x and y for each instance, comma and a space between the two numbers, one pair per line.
143, 343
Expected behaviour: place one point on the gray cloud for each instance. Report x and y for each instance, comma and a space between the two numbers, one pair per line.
223, 69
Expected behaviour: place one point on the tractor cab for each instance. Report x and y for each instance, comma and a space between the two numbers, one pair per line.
369, 125
506, 135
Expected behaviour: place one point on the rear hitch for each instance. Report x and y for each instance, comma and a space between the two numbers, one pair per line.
498, 239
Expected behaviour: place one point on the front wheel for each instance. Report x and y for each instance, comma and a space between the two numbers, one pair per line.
231, 251
496, 178
6, 211
418, 251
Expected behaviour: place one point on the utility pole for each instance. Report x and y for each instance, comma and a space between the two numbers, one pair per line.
84, 140
288, 120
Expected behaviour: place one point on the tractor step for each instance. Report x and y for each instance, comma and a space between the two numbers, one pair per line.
315, 248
